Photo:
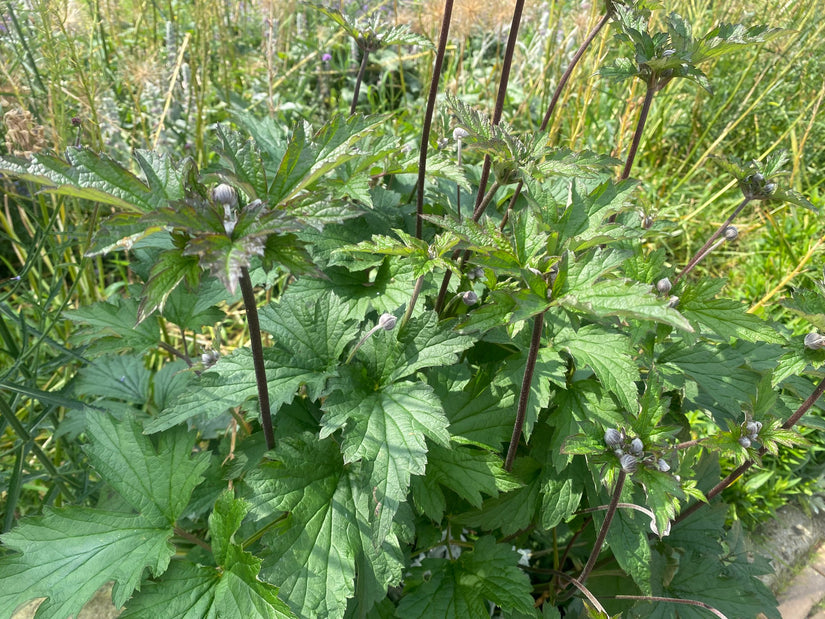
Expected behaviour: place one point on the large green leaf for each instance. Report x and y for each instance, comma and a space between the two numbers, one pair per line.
68, 554
387, 428
325, 542
462, 588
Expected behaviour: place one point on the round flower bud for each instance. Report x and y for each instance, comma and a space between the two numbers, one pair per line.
752, 428
225, 194
731, 232
770, 188
673, 301
387, 322
469, 298
647, 222
663, 466
758, 177
636, 446
613, 438
745, 442
459, 133
814, 341
663, 286
629, 463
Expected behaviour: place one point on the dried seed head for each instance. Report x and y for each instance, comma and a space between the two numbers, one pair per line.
636, 446
459, 133
814, 341
662, 465
387, 322
731, 232
613, 438
664, 285
629, 463
225, 194
469, 298
745, 442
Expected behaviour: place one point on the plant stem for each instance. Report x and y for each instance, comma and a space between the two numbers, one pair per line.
704, 250
608, 519
257, 355
655, 598
358, 79
738, 471
428, 114
640, 127
416, 291
524, 395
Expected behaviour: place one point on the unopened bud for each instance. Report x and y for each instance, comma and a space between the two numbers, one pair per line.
629, 463
663, 466
664, 285
636, 446
770, 188
758, 177
814, 341
469, 298
459, 133
387, 322
731, 232
753, 428
613, 438
673, 301
745, 442
225, 194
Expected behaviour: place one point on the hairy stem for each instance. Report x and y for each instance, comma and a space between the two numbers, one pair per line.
359, 79
608, 519
257, 355
640, 127
524, 395
416, 291
428, 115
704, 250
738, 471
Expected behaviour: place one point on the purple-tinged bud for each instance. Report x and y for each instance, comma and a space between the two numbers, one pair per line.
459, 133
663, 286
673, 301
745, 442
770, 188
663, 466
225, 194
387, 321
636, 446
753, 428
326, 57
469, 298
629, 463
613, 438
731, 233
814, 341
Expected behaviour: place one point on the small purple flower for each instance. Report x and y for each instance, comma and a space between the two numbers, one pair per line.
326, 57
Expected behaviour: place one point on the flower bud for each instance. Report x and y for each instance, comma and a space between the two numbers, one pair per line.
753, 428
469, 298
814, 341
663, 466
636, 446
225, 194
745, 442
459, 133
629, 463
731, 232
770, 188
387, 322
758, 177
673, 301
663, 286
613, 438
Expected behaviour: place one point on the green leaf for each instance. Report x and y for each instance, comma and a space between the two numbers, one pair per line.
155, 480
469, 472
115, 376
387, 428
725, 317
326, 540
559, 500
69, 553
461, 588
171, 267
609, 355
111, 326
245, 161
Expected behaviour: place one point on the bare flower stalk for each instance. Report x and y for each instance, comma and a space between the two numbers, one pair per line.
428, 115
257, 355
697, 257
364, 59
608, 519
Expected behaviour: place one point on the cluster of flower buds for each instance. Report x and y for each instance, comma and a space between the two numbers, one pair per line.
750, 433
631, 452
755, 188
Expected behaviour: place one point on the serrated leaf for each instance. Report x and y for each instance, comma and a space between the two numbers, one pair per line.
387, 428
245, 162
461, 588
169, 270
559, 499
609, 355
115, 376
313, 555
469, 472
112, 324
